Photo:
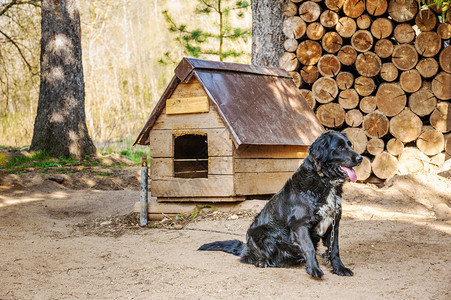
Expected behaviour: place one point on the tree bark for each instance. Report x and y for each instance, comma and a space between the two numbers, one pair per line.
60, 124
267, 35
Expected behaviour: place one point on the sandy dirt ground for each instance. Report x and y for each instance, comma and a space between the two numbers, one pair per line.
68, 241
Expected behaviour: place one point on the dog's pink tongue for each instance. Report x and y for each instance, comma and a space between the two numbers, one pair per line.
350, 172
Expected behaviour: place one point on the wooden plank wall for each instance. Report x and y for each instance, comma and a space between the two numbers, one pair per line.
219, 183
265, 169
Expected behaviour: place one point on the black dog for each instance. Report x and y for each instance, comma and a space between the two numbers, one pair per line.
305, 210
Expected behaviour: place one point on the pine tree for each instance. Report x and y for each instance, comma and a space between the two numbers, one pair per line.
198, 42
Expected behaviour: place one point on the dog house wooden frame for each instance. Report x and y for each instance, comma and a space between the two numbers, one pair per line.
226, 132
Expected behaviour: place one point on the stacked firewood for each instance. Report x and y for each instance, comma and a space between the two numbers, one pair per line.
378, 70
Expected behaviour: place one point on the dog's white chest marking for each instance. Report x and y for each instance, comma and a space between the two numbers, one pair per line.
327, 212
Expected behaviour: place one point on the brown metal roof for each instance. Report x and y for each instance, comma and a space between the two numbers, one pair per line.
260, 106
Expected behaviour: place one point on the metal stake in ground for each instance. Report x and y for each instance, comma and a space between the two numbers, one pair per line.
144, 191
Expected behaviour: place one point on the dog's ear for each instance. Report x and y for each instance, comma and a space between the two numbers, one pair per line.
319, 149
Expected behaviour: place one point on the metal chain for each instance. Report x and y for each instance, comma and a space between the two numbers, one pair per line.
326, 255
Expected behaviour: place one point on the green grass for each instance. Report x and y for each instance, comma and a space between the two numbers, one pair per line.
41, 159
18, 162
125, 148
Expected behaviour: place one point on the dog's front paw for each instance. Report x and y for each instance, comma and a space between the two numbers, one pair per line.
261, 263
342, 271
315, 272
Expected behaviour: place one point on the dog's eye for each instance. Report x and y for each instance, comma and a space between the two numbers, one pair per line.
340, 147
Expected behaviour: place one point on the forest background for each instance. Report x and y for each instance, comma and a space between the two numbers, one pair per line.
123, 43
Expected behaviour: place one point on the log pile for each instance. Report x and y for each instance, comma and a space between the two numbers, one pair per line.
378, 70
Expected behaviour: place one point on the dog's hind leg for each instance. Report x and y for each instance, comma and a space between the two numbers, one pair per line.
269, 247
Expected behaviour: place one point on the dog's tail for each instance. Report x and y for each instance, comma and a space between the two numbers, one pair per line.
234, 247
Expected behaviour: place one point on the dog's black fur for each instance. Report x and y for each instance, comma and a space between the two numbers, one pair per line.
288, 229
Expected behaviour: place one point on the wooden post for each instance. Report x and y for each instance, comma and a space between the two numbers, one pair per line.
144, 192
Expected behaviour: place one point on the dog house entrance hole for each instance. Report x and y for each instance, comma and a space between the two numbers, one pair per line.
191, 156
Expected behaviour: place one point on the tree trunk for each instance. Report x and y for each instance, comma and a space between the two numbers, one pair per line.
375, 124
368, 64
346, 27
376, 7
348, 99
402, 11
60, 124
375, 146
329, 18
325, 90
354, 118
445, 60
358, 139
422, 102
332, 42
406, 126
389, 72
381, 28
431, 141
441, 87
347, 55
391, 99
315, 31
405, 57
364, 21
368, 104
309, 11
329, 65
395, 147
267, 35
404, 33
344, 80
363, 171
428, 43
410, 81
384, 165
331, 115
309, 74
440, 117
353, 8
308, 96
364, 86
384, 48
362, 40
428, 67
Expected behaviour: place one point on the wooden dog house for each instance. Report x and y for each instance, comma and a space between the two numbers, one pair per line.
225, 132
